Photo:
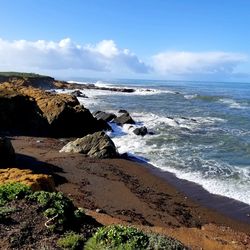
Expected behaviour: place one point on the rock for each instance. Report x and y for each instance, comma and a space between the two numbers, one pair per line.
123, 119
7, 152
78, 93
141, 131
34, 111
122, 111
20, 114
97, 145
107, 117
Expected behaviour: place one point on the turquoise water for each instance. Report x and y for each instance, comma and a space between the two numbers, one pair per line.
202, 130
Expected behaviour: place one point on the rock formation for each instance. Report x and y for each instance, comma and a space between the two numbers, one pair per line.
97, 145
107, 117
123, 119
27, 110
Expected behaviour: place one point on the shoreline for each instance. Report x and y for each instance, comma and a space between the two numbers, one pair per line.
119, 191
150, 197
232, 208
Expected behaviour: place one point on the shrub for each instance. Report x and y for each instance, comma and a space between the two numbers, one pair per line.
57, 206
11, 191
117, 237
28, 178
159, 242
5, 212
71, 240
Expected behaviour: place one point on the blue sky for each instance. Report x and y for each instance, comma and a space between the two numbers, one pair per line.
162, 39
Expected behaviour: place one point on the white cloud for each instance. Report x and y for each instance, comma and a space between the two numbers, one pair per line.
106, 58
186, 63
65, 54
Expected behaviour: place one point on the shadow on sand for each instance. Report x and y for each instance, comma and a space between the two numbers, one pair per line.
39, 167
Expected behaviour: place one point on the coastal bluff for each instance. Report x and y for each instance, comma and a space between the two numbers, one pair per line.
26, 108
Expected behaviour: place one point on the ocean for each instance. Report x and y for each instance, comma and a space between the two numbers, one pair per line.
201, 130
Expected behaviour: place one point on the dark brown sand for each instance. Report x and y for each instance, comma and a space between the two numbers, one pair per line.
128, 192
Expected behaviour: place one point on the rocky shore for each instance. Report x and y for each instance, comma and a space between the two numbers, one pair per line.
50, 142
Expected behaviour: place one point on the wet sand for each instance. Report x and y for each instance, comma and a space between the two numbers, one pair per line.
130, 192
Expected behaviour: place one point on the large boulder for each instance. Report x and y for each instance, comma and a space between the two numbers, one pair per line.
7, 152
44, 113
125, 118
97, 145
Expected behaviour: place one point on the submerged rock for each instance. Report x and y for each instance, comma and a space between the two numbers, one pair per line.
97, 145
141, 131
7, 152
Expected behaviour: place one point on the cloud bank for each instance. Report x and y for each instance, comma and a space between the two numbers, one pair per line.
65, 54
107, 57
185, 63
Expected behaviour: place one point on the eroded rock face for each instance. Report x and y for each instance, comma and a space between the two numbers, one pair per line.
33, 111
7, 152
97, 145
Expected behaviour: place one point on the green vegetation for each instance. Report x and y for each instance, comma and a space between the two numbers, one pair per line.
21, 74
5, 212
117, 237
11, 191
58, 208
71, 241
63, 215
159, 242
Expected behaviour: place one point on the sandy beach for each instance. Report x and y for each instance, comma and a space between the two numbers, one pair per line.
127, 192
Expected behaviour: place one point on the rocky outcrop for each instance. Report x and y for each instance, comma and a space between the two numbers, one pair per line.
7, 152
20, 114
66, 85
27, 110
125, 118
140, 131
27, 79
97, 145
107, 117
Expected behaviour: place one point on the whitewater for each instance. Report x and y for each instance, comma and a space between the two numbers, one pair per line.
200, 131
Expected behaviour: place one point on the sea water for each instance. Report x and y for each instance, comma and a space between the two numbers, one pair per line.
201, 130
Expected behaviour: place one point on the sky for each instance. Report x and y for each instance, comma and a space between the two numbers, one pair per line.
146, 39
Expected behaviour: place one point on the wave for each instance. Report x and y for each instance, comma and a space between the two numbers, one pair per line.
232, 103
162, 151
220, 99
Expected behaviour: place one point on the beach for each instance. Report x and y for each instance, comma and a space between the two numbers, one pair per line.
148, 170
127, 192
